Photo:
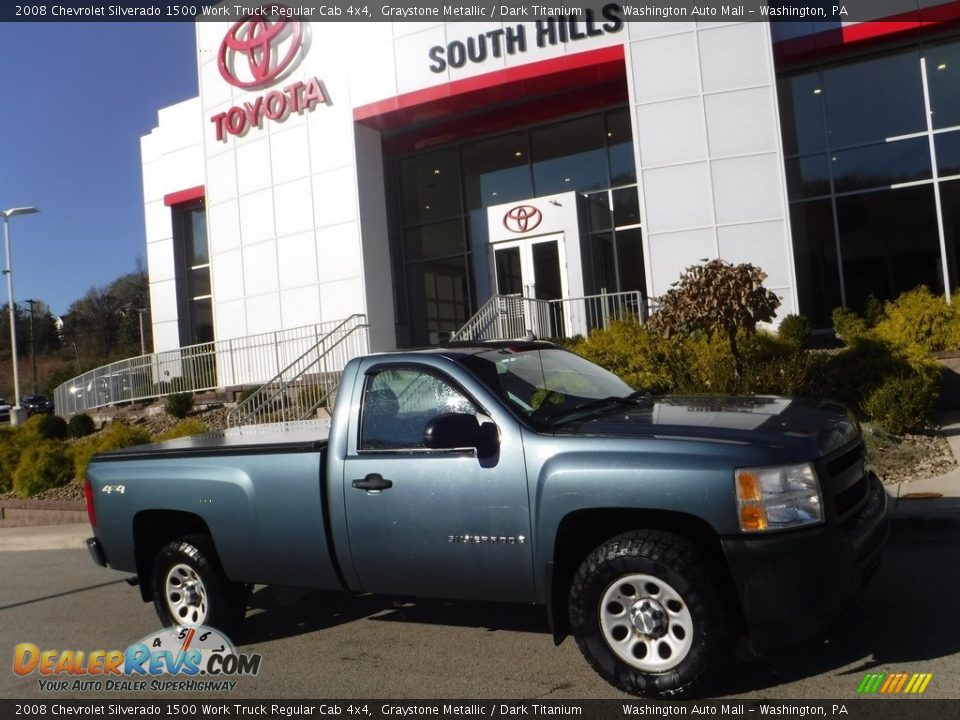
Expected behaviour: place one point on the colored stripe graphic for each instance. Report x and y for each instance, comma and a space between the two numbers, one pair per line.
894, 683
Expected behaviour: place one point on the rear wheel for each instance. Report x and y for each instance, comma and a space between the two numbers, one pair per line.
648, 616
190, 588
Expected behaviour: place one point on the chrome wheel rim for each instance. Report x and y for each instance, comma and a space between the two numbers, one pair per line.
186, 595
646, 622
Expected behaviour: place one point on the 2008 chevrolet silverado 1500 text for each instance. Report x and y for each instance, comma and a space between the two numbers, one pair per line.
657, 530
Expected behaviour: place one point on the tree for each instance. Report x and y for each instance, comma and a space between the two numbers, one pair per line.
717, 297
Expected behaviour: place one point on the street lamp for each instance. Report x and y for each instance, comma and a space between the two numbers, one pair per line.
7, 214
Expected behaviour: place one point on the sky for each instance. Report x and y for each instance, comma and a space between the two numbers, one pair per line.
76, 99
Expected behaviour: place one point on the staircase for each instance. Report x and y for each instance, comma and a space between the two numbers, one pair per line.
309, 383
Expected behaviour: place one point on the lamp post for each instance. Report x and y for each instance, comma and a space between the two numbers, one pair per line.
16, 411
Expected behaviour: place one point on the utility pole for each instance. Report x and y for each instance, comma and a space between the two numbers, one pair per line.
33, 354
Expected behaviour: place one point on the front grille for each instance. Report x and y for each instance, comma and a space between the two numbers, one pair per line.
845, 484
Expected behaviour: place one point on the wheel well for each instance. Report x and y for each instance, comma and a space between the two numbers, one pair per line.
152, 529
580, 533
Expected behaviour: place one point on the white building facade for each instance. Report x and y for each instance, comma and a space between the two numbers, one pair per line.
410, 171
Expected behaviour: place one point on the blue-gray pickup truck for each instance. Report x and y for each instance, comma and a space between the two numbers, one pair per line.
656, 530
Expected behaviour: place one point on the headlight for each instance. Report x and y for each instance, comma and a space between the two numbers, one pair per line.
778, 498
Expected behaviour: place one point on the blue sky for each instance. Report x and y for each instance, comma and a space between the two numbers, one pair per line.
76, 99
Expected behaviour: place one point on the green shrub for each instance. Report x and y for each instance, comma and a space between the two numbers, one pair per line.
644, 359
11, 448
114, 436
42, 466
847, 325
903, 404
919, 317
179, 404
795, 331
80, 426
247, 391
184, 428
50, 427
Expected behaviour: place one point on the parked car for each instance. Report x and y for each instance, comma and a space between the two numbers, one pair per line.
35, 404
4, 410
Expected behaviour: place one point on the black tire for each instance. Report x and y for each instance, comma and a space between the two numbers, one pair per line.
648, 616
190, 588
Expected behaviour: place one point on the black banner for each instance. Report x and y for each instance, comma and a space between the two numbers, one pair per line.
831, 11
862, 708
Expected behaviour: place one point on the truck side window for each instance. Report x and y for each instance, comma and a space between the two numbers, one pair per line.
398, 403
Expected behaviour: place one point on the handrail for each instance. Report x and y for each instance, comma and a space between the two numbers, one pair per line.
274, 395
195, 368
505, 317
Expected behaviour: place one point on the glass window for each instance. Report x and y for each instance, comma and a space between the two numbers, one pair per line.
801, 113
438, 291
881, 165
497, 170
430, 187
808, 176
890, 243
198, 281
434, 240
623, 169
570, 155
815, 255
630, 250
601, 217
943, 80
201, 320
626, 207
948, 153
874, 99
950, 202
398, 404
197, 252
602, 273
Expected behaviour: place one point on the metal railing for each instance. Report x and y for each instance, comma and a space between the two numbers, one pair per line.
513, 316
196, 368
299, 390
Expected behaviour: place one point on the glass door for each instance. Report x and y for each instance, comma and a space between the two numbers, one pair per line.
530, 270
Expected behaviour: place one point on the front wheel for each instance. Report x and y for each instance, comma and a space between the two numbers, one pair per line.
648, 616
191, 589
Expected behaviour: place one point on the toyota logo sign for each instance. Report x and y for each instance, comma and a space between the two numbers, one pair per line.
269, 48
522, 218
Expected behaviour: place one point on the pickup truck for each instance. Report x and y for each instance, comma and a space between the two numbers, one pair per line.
657, 530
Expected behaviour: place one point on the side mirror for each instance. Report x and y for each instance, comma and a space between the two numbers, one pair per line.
458, 430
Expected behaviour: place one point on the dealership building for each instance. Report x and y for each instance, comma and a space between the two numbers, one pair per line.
409, 172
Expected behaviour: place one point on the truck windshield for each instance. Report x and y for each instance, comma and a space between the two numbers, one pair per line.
548, 386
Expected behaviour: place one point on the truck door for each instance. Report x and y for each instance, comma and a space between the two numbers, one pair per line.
433, 523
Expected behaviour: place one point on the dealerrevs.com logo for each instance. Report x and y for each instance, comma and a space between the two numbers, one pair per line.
177, 659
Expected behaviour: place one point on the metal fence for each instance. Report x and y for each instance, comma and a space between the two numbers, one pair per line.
299, 390
226, 363
513, 316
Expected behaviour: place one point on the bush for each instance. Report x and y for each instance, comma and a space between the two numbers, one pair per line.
50, 427
919, 317
795, 331
644, 359
114, 436
42, 466
847, 325
903, 404
184, 428
80, 426
179, 404
11, 448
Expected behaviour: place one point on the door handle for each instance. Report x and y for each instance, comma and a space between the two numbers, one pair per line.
373, 482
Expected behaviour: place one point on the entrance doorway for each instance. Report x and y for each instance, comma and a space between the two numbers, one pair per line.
531, 268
